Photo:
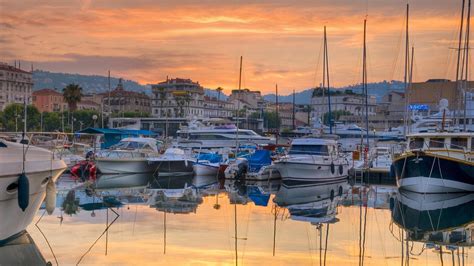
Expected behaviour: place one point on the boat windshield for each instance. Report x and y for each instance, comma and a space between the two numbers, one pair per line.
309, 149
130, 145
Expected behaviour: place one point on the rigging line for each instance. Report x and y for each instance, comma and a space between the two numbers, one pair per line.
93, 244
45, 238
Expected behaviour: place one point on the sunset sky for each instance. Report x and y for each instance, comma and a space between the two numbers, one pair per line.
280, 40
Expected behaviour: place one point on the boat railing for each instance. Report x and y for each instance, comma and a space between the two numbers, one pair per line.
434, 145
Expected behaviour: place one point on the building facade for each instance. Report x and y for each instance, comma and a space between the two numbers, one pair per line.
49, 100
121, 101
16, 85
341, 101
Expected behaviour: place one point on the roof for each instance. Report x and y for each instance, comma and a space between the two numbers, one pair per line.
47, 91
7, 67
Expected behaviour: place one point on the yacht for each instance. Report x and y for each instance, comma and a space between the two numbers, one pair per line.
207, 164
41, 170
129, 156
198, 135
315, 160
174, 162
436, 163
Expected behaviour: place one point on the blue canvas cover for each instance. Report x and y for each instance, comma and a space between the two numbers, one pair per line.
211, 157
257, 196
258, 159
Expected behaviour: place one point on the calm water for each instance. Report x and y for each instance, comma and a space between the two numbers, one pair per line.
198, 220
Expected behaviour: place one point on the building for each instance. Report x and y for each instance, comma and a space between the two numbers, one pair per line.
285, 113
88, 105
347, 100
177, 98
429, 93
49, 100
121, 101
15, 85
216, 108
250, 99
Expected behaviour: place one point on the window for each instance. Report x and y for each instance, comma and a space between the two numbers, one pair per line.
458, 143
436, 143
309, 149
416, 143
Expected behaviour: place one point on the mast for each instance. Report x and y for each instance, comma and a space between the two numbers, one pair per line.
364, 83
110, 108
277, 132
405, 78
294, 111
326, 77
466, 59
458, 75
410, 81
238, 108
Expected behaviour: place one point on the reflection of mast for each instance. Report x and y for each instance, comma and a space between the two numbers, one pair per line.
235, 234
164, 233
274, 229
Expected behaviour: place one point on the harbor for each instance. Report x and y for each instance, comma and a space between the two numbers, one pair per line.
250, 158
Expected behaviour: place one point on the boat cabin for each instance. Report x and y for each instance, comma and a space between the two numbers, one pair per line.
313, 146
462, 141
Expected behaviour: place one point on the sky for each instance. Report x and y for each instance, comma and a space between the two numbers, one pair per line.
280, 41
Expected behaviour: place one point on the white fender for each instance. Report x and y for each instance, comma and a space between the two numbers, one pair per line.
50, 197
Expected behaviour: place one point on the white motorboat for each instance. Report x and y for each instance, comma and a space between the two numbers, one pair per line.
174, 162
381, 159
41, 170
436, 163
315, 160
207, 164
197, 135
129, 156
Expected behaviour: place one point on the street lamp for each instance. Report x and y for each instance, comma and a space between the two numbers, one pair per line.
94, 117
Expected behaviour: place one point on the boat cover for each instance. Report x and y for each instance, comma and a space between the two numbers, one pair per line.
211, 157
259, 159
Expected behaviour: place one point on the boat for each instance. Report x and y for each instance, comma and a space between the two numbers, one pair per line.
207, 164
197, 135
436, 163
174, 162
315, 160
21, 250
438, 220
252, 166
19, 202
128, 156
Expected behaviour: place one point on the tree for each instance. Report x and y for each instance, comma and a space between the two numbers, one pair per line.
335, 115
270, 119
13, 117
72, 95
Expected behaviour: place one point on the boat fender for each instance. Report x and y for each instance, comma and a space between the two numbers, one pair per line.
392, 203
340, 191
23, 191
333, 169
186, 163
50, 196
332, 195
341, 169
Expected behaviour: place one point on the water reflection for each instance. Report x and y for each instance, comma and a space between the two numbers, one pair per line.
239, 222
438, 221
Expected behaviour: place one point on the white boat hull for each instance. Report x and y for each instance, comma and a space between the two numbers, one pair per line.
13, 220
206, 169
321, 173
124, 166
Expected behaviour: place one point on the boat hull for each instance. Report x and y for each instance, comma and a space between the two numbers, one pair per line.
174, 168
206, 169
13, 219
431, 173
295, 171
125, 166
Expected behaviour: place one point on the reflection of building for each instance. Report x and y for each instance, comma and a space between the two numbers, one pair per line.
122, 100
49, 100
15, 85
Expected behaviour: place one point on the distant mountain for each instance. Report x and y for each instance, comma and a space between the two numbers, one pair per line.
377, 88
89, 83
214, 93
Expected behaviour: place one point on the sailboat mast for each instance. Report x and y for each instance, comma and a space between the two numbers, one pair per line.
238, 107
364, 83
405, 78
277, 132
326, 78
458, 65
410, 81
466, 57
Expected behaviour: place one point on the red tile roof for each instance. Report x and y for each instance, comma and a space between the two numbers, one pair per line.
47, 92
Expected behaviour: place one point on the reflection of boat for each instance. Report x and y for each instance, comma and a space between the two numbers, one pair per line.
442, 219
128, 156
315, 160
436, 163
174, 162
123, 180
20, 250
40, 169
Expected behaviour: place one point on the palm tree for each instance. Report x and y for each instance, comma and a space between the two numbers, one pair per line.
72, 94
